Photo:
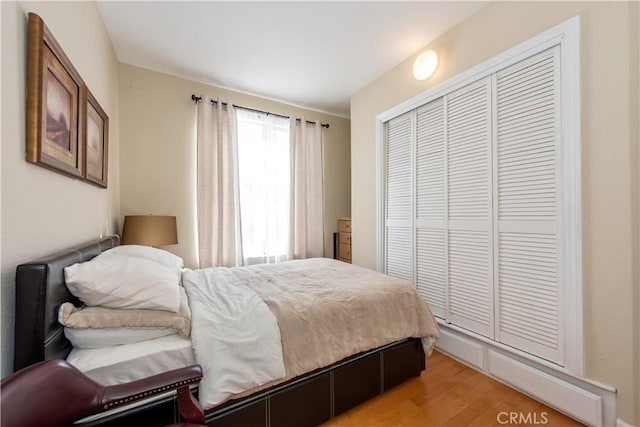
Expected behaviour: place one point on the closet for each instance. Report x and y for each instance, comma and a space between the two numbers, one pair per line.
472, 189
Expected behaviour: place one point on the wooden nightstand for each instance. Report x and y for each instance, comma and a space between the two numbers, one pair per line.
344, 228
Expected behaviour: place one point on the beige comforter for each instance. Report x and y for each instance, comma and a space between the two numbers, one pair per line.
328, 310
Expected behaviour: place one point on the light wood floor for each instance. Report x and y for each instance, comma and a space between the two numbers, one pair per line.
449, 393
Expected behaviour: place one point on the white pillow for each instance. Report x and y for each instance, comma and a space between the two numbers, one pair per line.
154, 254
117, 281
107, 337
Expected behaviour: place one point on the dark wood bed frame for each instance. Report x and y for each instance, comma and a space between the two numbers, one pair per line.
308, 400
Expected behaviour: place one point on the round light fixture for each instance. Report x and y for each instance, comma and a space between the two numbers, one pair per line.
425, 65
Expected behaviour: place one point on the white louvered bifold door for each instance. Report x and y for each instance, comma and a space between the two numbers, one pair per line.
431, 206
399, 135
527, 178
469, 204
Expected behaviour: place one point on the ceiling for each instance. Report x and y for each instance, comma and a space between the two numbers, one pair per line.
311, 54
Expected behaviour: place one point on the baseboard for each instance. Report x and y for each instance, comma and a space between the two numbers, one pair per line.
464, 349
621, 423
578, 398
585, 406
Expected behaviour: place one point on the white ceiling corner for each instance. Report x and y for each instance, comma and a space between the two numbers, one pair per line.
314, 54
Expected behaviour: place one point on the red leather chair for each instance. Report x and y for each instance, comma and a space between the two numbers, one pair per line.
54, 393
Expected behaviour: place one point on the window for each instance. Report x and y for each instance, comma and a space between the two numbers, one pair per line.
252, 207
264, 169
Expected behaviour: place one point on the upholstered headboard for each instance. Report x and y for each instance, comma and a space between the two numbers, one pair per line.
40, 289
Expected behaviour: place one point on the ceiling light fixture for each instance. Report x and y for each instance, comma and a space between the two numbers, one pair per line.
425, 65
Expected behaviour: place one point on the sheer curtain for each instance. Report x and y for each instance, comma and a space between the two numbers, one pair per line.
265, 186
219, 229
307, 236
271, 167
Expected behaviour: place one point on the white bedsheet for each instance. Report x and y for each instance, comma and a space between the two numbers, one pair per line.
123, 363
236, 338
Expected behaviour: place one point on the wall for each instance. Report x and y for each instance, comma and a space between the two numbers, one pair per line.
158, 154
609, 150
634, 160
43, 211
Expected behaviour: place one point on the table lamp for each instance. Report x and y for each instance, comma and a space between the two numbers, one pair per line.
149, 230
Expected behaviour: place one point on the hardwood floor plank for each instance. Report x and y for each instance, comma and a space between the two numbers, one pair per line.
451, 394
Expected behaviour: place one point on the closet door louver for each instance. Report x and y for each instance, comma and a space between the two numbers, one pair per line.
469, 206
431, 234
399, 136
527, 160
475, 213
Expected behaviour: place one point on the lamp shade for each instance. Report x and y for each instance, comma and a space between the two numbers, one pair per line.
149, 230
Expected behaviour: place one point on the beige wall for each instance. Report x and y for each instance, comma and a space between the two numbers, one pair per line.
43, 211
158, 154
610, 161
634, 159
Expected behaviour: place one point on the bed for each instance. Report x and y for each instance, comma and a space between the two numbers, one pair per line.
304, 400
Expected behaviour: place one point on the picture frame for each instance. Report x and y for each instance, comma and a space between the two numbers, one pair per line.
55, 105
96, 141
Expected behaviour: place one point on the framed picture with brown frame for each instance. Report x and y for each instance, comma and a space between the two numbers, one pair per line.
96, 149
55, 105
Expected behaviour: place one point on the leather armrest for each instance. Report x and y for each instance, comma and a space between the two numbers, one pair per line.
61, 394
122, 394
179, 379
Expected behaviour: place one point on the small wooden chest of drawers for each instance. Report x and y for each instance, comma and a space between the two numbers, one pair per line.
344, 228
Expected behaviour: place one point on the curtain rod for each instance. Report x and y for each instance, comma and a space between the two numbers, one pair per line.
197, 99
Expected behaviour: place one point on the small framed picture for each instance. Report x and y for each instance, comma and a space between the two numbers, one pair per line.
96, 147
54, 104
